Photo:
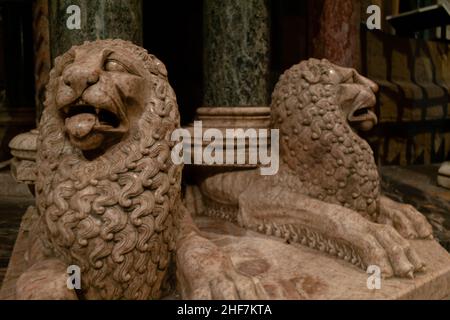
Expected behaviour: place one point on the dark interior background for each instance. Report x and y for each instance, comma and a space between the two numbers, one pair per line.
16, 71
173, 31
176, 39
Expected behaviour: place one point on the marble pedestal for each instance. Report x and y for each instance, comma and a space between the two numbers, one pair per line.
289, 271
293, 272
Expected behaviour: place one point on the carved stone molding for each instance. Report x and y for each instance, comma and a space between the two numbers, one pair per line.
23, 148
23, 164
233, 117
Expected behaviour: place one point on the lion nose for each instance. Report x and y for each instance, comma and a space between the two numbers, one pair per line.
372, 85
80, 78
367, 82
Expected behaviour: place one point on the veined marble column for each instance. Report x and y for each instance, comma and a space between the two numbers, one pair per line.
336, 33
100, 19
236, 53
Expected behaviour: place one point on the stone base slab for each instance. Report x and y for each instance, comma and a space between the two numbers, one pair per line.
289, 271
294, 272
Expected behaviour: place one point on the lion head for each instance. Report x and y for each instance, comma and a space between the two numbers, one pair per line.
319, 108
107, 191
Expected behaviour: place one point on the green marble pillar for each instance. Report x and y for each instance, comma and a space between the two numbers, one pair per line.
236, 44
100, 19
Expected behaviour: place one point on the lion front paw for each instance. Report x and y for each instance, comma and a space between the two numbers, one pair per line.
409, 222
388, 250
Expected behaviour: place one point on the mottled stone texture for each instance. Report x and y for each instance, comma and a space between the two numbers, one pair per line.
336, 35
326, 193
127, 100
236, 52
289, 272
100, 19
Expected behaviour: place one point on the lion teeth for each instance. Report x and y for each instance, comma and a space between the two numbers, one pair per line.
97, 111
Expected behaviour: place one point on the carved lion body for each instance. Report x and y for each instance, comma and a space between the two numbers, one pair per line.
107, 191
326, 194
108, 194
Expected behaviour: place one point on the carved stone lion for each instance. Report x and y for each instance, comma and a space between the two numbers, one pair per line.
326, 194
107, 192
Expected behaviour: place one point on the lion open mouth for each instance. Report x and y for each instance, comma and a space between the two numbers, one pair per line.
362, 116
93, 127
81, 119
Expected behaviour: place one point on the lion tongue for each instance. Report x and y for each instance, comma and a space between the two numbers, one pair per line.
81, 124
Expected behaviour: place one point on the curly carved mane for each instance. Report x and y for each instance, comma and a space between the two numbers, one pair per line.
318, 145
115, 216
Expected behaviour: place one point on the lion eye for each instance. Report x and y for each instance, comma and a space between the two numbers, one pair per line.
348, 78
113, 65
